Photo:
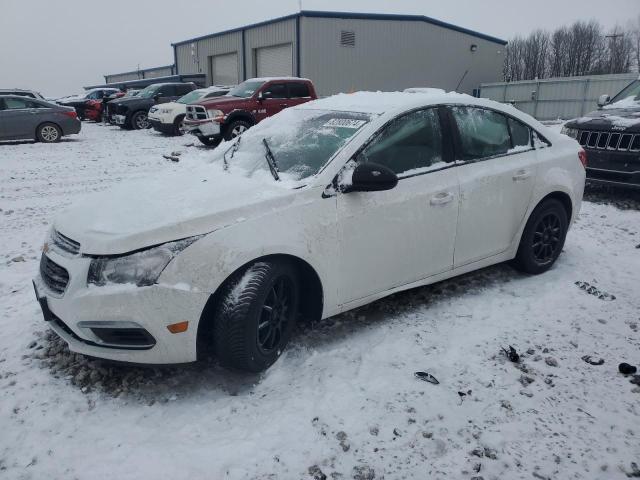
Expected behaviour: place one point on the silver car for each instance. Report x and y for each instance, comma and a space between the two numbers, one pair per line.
29, 118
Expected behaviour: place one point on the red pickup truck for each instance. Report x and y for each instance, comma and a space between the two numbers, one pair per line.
226, 117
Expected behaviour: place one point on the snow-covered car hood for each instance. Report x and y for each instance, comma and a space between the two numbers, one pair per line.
619, 119
172, 106
170, 206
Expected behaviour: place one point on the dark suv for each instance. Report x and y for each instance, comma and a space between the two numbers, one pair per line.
132, 112
214, 119
611, 138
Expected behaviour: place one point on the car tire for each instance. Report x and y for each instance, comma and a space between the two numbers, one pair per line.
178, 125
235, 129
543, 237
210, 141
256, 315
140, 120
48, 133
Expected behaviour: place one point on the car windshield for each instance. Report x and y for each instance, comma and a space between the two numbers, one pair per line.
193, 96
148, 92
301, 141
246, 89
630, 96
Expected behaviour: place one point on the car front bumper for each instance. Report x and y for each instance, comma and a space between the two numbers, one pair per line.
120, 119
161, 127
613, 167
89, 318
203, 128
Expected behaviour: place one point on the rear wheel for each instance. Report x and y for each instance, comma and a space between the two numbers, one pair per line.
255, 316
48, 133
210, 141
139, 120
235, 129
543, 237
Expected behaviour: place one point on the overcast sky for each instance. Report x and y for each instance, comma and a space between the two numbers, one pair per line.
58, 46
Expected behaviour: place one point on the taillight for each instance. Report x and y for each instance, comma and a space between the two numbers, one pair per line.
71, 113
582, 155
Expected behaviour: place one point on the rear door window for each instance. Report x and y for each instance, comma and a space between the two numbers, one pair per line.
298, 90
183, 89
483, 133
16, 103
520, 134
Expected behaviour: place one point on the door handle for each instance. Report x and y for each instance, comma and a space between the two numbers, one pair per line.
521, 176
442, 198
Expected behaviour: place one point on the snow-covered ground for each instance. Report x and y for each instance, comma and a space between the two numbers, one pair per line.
343, 400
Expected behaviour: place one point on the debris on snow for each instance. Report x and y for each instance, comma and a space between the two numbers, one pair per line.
591, 361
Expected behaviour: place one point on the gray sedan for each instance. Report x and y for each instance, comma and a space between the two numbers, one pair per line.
28, 118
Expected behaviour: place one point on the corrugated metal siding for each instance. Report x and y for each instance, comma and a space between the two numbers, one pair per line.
554, 98
194, 57
393, 55
121, 77
269, 35
158, 72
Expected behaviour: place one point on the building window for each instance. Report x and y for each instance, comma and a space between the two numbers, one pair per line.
347, 39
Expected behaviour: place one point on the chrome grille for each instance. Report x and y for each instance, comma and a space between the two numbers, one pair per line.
196, 112
65, 243
53, 275
609, 140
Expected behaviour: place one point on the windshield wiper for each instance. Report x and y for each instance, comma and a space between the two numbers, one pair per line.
271, 160
233, 149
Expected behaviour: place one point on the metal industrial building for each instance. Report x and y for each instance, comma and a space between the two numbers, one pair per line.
343, 52
145, 73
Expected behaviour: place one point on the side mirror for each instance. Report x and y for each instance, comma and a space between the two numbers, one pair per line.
157, 97
604, 100
371, 177
260, 97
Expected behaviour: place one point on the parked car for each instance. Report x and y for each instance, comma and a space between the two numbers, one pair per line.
323, 208
21, 93
29, 118
132, 113
107, 111
212, 120
168, 118
79, 102
611, 137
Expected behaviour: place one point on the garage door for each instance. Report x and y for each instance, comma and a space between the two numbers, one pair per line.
224, 69
274, 61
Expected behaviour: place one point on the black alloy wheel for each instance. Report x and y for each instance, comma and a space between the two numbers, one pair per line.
543, 237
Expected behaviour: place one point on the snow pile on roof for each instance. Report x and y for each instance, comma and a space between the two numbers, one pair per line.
381, 102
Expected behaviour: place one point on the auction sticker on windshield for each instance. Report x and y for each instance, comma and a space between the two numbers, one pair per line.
345, 123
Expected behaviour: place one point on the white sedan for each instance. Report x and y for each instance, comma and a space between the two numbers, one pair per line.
168, 118
320, 209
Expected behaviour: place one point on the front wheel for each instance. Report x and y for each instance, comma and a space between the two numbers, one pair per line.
48, 133
255, 316
178, 125
139, 120
235, 129
543, 238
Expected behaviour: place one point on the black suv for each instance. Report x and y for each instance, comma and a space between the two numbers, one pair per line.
131, 112
611, 137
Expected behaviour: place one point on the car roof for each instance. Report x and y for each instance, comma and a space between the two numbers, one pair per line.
394, 103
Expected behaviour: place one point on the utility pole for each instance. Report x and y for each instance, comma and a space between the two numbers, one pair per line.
612, 37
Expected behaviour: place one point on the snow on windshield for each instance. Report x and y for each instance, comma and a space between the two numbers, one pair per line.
301, 141
627, 98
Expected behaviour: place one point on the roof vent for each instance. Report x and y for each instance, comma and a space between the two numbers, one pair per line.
347, 39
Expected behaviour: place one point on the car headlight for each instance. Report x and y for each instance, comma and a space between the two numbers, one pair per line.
570, 132
153, 110
215, 114
141, 268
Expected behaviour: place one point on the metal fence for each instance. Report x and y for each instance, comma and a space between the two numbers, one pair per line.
557, 98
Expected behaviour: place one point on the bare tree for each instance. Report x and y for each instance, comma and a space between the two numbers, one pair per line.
582, 48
